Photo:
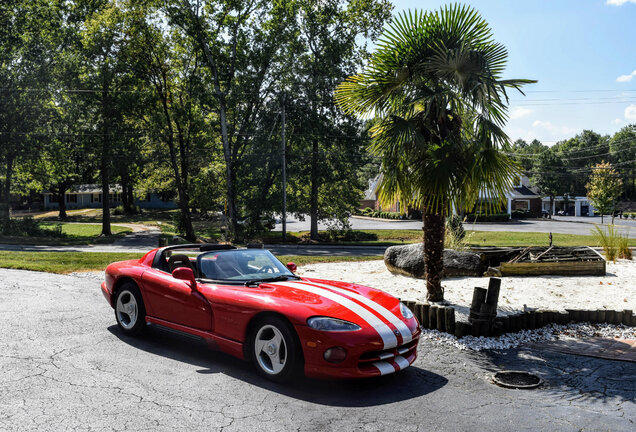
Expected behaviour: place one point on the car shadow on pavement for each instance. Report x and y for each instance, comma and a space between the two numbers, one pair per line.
567, 376
410, 383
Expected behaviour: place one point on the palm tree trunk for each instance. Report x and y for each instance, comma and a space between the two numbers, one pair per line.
434, 253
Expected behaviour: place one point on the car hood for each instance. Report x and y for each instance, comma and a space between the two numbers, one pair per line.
355, 303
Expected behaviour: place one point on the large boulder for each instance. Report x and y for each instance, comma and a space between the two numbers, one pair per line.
408, 260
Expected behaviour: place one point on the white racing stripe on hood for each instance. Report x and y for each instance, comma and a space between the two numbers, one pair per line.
396, 321
385, 332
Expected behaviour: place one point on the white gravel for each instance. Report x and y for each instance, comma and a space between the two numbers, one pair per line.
547, 333
616, 290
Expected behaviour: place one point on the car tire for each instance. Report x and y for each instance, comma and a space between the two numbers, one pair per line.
130, 312
275, 350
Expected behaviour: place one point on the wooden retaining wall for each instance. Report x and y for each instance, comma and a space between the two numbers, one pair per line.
442, 318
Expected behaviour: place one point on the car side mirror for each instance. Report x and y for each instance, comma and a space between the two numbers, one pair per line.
291, 266
185, 274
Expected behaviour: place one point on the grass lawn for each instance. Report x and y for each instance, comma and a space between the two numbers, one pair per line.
68, 262
508, 238
73, 234
474, 238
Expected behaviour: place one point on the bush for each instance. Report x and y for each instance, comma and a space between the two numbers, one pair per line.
351, 235
613, 243
27, 226
521, 214
119, 210
484, 217
455, 228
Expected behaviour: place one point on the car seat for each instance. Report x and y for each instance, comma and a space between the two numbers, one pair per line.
177, 261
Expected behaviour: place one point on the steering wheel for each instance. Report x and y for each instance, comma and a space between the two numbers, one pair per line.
266, 269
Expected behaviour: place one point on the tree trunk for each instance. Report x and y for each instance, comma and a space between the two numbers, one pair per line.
61, 201
6, 191
313, 210
434, 253
105, 162
178, 174
125, 196
552, 206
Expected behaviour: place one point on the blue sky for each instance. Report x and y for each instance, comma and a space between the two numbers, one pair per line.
582, 52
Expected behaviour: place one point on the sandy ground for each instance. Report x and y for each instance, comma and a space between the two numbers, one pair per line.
616, 290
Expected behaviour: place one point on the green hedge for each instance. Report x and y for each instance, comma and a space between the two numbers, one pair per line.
380, 214
483, 217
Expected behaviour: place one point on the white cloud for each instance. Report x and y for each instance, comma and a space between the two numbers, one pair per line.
519, 112
620, 2
554, 129
626, 78
630, 113
617, 121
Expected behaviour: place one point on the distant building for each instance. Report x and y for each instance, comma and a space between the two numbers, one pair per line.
90, 196
370, 199
522, 197
572, 206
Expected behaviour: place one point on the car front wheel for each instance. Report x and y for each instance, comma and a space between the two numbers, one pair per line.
275, 350
129, 310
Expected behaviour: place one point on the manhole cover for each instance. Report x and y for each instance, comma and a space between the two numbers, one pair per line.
517, 379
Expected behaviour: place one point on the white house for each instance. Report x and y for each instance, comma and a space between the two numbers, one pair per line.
90, 195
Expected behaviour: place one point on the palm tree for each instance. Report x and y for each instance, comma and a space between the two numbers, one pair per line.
434, 89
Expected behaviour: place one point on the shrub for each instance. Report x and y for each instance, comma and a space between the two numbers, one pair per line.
484, 217
455, 228
624, 251
351, 235
27, 226
119, 210
608, 241
520, 214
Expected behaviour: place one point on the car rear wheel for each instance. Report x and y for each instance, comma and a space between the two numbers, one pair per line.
274, 349
129, 310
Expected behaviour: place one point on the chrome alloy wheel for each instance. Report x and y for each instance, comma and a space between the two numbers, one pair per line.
127, 309
270, 349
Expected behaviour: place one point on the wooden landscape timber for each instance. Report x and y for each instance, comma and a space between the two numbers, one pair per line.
555, 260
442, 318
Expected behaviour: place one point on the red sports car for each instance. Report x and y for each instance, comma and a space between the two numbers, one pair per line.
247, 304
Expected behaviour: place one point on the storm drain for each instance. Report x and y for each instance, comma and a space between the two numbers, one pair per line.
517, 380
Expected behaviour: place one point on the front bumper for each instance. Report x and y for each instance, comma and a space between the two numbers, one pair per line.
366, 355
107, 294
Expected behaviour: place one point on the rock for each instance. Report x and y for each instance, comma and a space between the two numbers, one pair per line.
408, 260
492, 272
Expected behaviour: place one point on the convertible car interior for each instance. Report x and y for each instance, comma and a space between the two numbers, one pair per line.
220, 262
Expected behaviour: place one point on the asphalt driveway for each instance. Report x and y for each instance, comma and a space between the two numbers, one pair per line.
559, 225
65, 366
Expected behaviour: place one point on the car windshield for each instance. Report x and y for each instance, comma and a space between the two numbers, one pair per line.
241, 265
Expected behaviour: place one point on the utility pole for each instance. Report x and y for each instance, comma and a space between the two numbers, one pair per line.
284, 215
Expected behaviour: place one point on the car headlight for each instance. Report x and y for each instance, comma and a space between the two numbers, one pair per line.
331, 324
406, 312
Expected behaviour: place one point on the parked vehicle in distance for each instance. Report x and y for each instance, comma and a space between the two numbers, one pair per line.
246, 303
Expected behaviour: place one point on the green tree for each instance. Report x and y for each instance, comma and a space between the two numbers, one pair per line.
550, 175
241, 44
435, 85
623, 149
580, 152
327, 148
604, 189
526, 154
27, 39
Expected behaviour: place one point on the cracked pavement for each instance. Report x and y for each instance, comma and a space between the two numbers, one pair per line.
65, 366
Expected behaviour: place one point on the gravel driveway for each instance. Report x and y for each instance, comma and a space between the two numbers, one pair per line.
65, 366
